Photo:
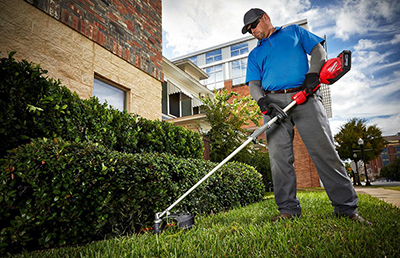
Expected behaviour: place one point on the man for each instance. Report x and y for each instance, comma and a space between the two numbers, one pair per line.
277, 68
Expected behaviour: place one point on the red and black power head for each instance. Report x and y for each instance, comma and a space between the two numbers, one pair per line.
331, 71
335, 68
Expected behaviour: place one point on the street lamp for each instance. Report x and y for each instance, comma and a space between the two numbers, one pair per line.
361, 143
357, 177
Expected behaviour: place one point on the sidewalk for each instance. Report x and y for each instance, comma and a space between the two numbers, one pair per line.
387, 195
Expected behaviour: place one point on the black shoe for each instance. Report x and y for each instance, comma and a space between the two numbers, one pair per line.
360, 219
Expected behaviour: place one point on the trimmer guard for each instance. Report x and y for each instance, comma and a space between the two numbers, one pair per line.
184, 220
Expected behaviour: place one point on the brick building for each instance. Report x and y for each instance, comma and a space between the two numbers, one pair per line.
387, 155
111, 49
226, 66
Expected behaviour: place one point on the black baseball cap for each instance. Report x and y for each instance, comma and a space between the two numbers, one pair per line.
250, 17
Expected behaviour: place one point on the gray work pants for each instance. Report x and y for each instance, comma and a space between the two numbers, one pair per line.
313, 125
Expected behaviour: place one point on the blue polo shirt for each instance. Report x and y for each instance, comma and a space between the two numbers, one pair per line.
280, 61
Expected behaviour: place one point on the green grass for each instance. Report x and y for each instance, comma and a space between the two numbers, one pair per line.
397, 188
248, 232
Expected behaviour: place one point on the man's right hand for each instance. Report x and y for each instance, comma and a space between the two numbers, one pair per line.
271, 109
263, 104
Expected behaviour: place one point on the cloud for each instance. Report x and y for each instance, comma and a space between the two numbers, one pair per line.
361, 95
395, 40
192, 25
389, 126
362, 16
367, 44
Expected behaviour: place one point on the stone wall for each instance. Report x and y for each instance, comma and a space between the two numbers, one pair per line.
74, 58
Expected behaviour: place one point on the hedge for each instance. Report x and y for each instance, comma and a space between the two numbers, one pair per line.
33, 105
55, 193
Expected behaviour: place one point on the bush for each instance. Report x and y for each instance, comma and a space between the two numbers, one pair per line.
56, 193
260, 161
392, 170
35, 106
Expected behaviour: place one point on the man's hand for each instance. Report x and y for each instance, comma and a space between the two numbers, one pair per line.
271, 109
310, 83
263, 104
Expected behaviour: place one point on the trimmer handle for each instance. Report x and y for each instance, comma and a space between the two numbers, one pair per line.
301, 96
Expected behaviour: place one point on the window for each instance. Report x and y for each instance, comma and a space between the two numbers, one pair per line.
180, 105
216, 79
174, 105
239, 49
239, 71
213, 56
164, 98
114, 96
186, 103
196, 110
193, 59
175, 102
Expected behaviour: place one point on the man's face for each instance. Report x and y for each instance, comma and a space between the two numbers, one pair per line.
261, 28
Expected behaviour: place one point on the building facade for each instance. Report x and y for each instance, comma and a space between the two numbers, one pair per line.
226, 66
387, 155
110, 49
182, 90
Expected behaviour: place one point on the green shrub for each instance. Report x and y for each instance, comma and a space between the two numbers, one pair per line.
260, 161
165, 137
392, 170
56, 193
36, 106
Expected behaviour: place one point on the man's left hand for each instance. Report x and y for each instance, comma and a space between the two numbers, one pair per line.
310, 83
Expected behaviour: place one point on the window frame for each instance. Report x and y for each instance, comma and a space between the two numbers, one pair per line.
240, 48
213, 85
213, 56
242, 69
110, 84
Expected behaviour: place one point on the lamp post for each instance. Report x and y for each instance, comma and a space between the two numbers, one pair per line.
357, 177
361, 143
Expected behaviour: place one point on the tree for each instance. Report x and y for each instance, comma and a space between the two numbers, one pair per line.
392, 170
349, 134
227, 113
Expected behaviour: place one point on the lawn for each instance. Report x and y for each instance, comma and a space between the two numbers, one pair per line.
248, 232
396, 188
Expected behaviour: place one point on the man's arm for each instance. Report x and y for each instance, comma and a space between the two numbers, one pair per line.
318, 57
312, 77
255, 90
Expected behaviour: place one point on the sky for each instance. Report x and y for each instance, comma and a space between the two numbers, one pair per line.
370, 29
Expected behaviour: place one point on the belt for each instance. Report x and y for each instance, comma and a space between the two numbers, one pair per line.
284, 91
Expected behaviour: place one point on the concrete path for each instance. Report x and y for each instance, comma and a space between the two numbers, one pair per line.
387, 195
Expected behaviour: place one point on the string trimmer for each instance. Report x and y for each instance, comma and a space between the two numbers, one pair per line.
331, 71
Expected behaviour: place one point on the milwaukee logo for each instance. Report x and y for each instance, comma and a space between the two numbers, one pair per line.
333, 67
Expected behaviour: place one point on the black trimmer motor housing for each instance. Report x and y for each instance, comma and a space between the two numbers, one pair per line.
184, 220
